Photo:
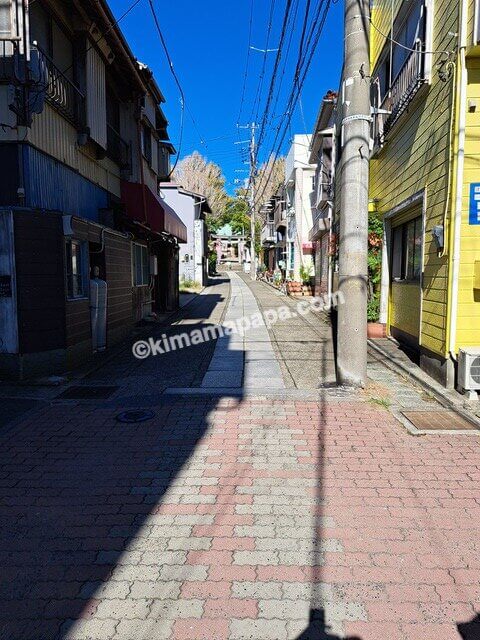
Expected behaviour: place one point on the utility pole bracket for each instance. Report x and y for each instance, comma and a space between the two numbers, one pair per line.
357, 117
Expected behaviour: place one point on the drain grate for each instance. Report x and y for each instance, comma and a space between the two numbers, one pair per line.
438, 421
88, 393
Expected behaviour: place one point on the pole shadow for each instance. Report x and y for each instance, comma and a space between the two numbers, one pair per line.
470, 630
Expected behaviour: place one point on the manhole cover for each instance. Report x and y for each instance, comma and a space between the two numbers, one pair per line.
438, 421
88, 393
135, 416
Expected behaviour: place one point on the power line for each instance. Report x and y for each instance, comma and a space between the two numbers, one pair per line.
177, 81
258, 94
275, 70
296, 91
246, 63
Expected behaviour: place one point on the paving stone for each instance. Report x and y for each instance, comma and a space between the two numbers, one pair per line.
183, 572
256, 590
122, 609
258, 630
155, 590
178, 608
144, 630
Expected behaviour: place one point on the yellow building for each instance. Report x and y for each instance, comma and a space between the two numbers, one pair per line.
425, 174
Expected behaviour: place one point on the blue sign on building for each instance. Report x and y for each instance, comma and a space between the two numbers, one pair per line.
474, 213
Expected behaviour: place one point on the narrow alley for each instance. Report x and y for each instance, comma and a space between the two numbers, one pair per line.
251, 500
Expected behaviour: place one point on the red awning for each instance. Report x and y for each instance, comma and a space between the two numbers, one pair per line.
159, 216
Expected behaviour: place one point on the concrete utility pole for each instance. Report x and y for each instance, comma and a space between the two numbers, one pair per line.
253, 171
251, 198
354, 174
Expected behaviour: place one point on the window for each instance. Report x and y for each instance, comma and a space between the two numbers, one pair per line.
75, 264
52, 39
140, 265
407, 251
6, 18
147, 143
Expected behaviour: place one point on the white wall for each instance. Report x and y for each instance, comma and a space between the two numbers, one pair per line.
185, 207
300, 172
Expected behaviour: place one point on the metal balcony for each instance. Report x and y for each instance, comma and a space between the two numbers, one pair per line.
405, 86
268, 233
61, 93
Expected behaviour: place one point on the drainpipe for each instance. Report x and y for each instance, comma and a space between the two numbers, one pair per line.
142, 172
457, 223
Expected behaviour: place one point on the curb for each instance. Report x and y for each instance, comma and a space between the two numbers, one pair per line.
438, 392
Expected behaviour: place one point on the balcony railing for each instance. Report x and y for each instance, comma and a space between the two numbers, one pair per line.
9, 60
117, 149
61, 93
405, 86
268, 233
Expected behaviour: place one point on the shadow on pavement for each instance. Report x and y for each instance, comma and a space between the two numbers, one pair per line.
319, 627
82, 499
319, 630
470, 630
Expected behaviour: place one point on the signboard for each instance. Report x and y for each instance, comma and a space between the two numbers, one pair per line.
474, 212
5, 287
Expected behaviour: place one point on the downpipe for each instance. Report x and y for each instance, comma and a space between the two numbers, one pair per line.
457, 223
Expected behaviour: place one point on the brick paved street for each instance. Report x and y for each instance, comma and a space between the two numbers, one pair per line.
292, 516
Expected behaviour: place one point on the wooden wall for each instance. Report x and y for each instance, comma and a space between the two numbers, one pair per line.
415, 157
39, 256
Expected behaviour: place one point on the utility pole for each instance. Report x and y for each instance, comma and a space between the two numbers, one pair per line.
252, 175
253, 171
354, 174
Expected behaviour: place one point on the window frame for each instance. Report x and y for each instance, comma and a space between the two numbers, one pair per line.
400, 259
144, 265
69, 270
147, 147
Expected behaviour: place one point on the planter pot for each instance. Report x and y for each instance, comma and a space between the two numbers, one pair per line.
376, 330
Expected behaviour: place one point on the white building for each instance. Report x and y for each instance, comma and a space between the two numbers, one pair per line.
299, 184
192, 209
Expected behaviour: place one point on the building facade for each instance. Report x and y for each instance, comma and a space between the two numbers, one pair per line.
192, 209
322, 155
425, 179
84, 145
299, 184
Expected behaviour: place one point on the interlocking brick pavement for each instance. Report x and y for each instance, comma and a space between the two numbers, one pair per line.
237, 519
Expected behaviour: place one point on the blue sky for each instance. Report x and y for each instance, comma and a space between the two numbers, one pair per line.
208, 45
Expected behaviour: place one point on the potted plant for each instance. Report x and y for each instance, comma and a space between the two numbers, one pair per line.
305, 275
375, 329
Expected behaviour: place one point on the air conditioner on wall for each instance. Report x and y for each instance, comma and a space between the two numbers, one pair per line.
469, 369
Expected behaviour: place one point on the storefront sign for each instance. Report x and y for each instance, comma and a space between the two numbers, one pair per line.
474, 213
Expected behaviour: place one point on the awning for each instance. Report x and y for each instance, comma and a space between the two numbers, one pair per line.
159, 216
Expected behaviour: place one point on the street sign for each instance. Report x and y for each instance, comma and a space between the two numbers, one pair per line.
474, 212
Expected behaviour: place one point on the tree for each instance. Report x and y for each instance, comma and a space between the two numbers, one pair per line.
235, 215
197, 174
270, 176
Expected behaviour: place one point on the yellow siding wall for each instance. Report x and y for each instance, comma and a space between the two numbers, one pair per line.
415, 157
54, 135
468, 313
405, 308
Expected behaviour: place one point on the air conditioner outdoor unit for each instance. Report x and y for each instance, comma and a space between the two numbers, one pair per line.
469, 369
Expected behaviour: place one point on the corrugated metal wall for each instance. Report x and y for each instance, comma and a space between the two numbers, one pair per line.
49, 184
53, 134
96, 98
